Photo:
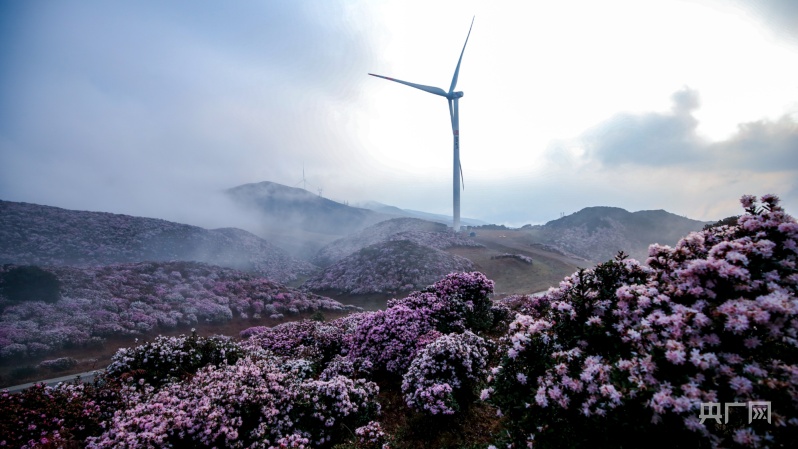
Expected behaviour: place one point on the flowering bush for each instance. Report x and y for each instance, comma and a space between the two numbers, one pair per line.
371, 436
473, 290
387, 339
253, 403
625, 355
448, 313
61, 416
445, 374
59, 364
169, 357
310, 339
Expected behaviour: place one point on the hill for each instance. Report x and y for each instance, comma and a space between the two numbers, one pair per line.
289, 207
43, 235
92, 303
435, 235
388, 267
598, 233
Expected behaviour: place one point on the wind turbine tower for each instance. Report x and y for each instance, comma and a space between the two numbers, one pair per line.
453, 98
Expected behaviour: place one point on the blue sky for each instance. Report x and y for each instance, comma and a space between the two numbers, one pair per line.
151, 108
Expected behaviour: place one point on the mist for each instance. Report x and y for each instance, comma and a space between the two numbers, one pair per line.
156, 110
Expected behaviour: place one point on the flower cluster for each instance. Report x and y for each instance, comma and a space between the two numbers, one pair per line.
137, 298
43, 235
59, 364
444, 375
473, 290
371, 436
309, 339
164, 358
634, 351
252, 403
388, 267
387, 339
61, 416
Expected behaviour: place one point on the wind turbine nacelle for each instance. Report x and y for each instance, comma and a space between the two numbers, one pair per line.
456, 95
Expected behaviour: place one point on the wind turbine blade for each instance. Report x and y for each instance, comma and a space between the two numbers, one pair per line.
430, 89
457, 70
462, 179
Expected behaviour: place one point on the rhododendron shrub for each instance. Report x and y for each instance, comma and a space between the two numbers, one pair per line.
253, 403
625, 354
318, 341
473, 290
457, 302
448, 314
444, 376
386, 340
61, 416
169, 357
371, 436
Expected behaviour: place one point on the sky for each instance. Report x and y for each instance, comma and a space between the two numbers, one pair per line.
152, 108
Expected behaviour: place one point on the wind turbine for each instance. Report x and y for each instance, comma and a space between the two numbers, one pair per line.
452, 97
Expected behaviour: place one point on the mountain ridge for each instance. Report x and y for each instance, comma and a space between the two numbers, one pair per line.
597, 233
45, 235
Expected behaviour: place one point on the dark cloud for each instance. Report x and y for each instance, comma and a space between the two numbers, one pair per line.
671, 139
119, 106
763, 145
649, 139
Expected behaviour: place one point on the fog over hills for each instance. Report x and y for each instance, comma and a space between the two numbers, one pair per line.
422, 232
290, 207
398, 212
598, 233
44, 235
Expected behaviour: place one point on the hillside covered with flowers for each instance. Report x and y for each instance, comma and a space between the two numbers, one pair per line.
621, 355
388, 267
597, 233
31, 234
86, 305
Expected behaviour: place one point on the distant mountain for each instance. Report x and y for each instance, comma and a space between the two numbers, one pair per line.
598, 233
289, 207
397, 212
44, 235
422, 232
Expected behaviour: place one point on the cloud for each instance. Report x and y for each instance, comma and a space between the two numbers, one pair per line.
763, 145
781, 16
673, 139
135, 107
650, 138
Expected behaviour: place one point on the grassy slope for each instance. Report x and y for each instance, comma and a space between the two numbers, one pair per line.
512, 276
